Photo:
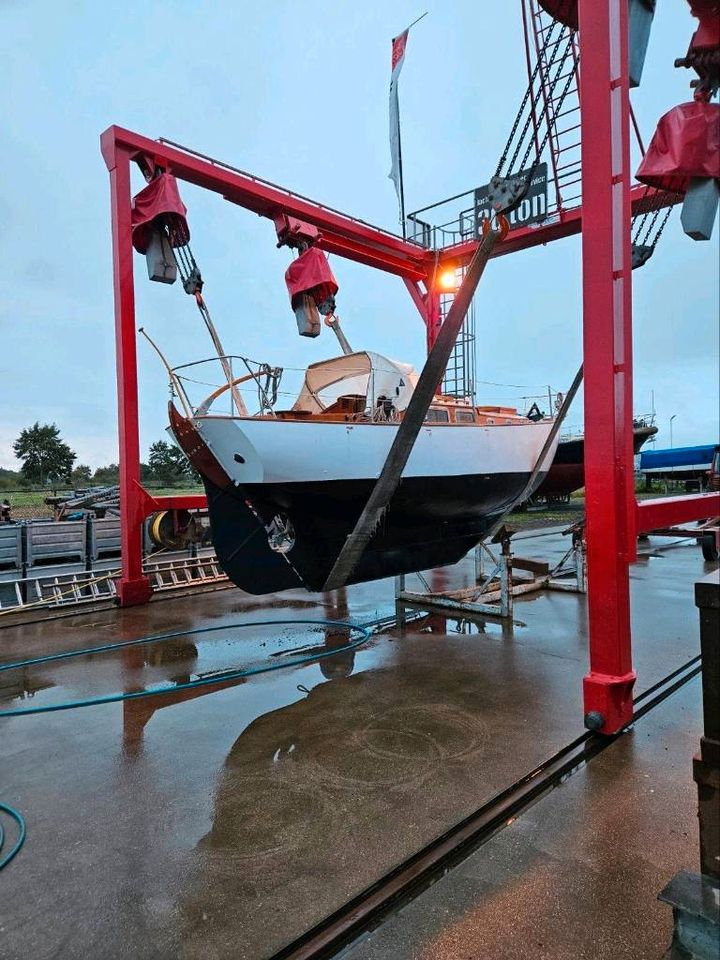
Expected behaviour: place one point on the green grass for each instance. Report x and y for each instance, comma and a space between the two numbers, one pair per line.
175, 491
30, 504
28, 498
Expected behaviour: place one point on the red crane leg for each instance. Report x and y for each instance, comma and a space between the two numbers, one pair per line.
132, 587
607, 344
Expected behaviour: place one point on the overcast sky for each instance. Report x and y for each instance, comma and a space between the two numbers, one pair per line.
297, 93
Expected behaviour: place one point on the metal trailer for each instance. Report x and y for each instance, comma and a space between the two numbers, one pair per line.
706, 533
11, 546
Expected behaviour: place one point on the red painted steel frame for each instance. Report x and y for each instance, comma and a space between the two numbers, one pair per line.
568, 224
668, 511
614, 518
342, 235
607, 351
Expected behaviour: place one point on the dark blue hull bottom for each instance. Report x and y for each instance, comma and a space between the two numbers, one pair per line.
431, 522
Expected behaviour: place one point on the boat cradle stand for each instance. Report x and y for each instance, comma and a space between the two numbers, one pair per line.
497, 581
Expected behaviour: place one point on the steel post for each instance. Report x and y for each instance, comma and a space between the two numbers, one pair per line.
433, 318
133, 587
695, 897
400, 609
607, 343
479, 562
506, 580
706, 764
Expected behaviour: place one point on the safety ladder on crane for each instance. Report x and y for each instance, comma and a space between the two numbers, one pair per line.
459, 378
555, 99
549, 115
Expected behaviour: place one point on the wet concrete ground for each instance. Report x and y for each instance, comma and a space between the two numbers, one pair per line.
577, 876
223, 825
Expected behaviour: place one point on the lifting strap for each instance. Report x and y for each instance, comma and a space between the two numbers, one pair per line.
415, 414
547, 446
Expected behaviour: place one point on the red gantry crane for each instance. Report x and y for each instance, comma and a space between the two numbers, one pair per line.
594, 33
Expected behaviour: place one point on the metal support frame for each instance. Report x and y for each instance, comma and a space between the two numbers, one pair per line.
706, 763
608, 200
607, 352
613, 516
695, 897
493, 592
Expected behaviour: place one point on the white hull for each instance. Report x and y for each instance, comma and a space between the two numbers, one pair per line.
283, 451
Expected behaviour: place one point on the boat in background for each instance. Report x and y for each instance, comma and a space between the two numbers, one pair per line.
285, 488
567, 473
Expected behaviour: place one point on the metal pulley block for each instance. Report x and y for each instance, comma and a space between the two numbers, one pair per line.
641, 253
505, 194
307, 316
160, 259
700, 207
193, 282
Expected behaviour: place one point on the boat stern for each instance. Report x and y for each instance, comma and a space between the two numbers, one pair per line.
219, 451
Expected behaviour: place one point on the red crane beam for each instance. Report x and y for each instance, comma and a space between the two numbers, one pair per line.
569, 224
342, 234
669, 511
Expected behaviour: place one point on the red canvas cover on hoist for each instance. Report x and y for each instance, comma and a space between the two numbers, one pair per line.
565, 11
311, 274
159, 203
686, 144
700, 7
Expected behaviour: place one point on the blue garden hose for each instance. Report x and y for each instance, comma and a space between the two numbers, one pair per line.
20, 821
191, 684
365, 632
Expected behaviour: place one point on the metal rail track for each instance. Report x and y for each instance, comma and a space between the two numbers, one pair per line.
366, 911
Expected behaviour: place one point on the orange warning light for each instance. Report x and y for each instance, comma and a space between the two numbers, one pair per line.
449, 281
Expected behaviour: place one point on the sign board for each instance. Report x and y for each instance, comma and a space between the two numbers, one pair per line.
533, 208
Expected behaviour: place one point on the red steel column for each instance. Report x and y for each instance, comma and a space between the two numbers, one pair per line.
607, 345
433, 320
132, 587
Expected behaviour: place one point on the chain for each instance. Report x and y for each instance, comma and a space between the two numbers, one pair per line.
528, 92
546, 107
662, 226
549, 64
646, 221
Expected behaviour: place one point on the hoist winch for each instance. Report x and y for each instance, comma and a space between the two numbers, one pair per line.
640, 18
684, 154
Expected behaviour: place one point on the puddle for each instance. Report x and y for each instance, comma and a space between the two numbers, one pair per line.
176, 661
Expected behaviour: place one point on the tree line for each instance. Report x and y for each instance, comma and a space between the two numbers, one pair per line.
46, 459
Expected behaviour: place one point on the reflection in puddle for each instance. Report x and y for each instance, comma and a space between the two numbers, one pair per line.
356, 754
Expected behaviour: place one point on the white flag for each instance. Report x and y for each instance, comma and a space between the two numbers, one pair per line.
398, 58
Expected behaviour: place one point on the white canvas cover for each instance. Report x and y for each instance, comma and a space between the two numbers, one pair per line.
366, 374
